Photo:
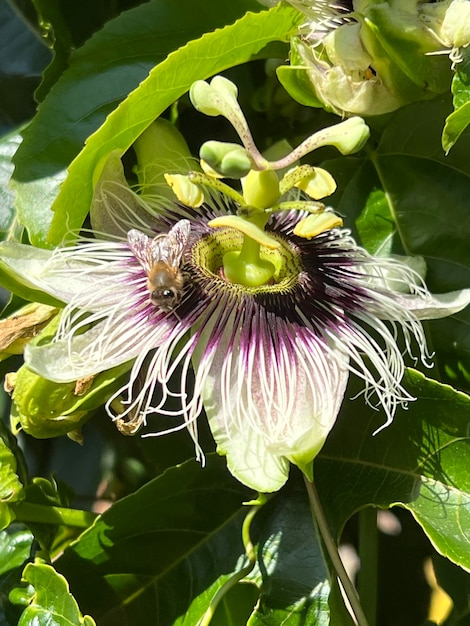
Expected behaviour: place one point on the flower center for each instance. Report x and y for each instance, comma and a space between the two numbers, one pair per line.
228, 257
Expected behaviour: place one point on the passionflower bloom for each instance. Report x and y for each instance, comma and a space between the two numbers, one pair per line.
271, 362
262, 293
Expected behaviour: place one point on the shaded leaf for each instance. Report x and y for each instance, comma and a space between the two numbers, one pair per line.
292, 575
163, 551
11, 487
105, 70
22, 58
8, 147
15, 548
16, 543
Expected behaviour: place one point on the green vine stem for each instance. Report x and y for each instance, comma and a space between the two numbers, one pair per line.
235, 578
332, 549
30, 512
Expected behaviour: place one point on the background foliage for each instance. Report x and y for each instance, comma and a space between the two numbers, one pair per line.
172, 537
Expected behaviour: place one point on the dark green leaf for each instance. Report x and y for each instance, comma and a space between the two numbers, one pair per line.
11, 487
8, 147
420, 462
162, 552
105, 70
22, 58
418, 206
15, 548
418, 187
293, 575
16, 544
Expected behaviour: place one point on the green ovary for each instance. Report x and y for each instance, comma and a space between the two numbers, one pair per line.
243, 262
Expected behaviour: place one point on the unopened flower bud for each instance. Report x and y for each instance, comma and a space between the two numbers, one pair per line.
229, 160
212, 99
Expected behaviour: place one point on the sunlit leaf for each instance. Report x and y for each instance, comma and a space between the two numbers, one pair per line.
460, 118
420, 462
198, 59
103, 72
52, 603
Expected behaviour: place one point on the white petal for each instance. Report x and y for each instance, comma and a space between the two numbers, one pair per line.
435, 306
70, 272
107, 344
271, 397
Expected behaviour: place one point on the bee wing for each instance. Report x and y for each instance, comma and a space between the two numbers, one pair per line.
170, 247
142, 248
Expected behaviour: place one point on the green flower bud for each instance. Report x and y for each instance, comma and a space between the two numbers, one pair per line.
229, 160
261, 189
212, 99
377, 63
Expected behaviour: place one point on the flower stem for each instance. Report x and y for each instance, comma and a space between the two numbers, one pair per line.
332, 549
30, 512
368, 558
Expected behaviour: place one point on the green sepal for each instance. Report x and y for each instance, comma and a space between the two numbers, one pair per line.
406, 42
161, 148
43, 408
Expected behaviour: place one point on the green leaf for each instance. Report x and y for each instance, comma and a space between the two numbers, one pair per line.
417, 205
52, 602
103, 72
420, 462
417, 130
33, 205
292, 569
16, 543
460, 118
163, 551
8, 147
22, 58
15, 548
11, 487
375, 225
429, 202
199, 59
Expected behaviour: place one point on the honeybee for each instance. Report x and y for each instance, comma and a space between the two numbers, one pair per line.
161, 259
